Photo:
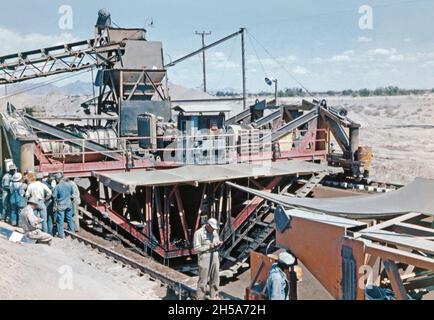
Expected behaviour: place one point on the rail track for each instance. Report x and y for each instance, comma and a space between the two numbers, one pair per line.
130, 272
135, 274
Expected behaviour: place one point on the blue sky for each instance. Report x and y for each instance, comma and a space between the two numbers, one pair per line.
318, 42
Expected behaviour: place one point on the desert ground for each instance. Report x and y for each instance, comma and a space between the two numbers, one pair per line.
63, 271
399, 128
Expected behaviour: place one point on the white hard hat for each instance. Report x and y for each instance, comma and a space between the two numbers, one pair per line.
213, 223
286, 258
17, 177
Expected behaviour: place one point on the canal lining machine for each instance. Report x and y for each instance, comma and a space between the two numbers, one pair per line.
152, 172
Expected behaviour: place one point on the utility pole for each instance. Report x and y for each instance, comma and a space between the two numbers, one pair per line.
203, 34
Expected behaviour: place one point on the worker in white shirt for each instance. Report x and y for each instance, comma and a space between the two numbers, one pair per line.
206, 245
40, 192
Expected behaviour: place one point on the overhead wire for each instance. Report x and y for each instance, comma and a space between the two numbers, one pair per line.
227, 62
281, 65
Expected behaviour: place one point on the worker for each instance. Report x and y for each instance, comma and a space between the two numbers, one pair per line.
62, 195
6, 183
206, 244
50, 182
277, 280
31, 224
39, 190
18, 199
76, 200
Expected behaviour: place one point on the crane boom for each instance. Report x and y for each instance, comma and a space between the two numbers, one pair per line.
58, 59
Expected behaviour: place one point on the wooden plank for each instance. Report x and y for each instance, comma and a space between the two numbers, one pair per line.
395, 280
400, 255
407, 241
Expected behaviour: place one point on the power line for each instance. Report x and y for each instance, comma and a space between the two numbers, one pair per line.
226, 62
257, 56
281, 65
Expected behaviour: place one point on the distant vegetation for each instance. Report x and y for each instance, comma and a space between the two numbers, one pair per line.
298, 92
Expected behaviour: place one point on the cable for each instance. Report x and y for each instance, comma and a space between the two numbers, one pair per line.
282, 65
257, 56
226, 62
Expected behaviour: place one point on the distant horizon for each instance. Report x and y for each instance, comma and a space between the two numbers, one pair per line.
26, 88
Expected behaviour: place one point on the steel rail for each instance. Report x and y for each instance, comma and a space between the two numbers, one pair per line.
182, 289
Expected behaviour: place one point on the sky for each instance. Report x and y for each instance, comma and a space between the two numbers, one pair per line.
320, 44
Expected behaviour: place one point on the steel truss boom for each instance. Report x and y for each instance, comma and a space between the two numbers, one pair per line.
59, 59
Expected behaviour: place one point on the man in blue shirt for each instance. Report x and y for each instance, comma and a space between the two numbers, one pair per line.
277, 281
62, 195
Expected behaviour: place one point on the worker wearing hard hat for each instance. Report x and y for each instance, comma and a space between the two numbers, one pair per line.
18, 199
6, 183
31, 224
277, 280
206, 244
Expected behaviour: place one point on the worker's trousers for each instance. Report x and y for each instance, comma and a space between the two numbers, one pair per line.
209, 268
76, 216
39, 236
5, 205
15, 214
62, 213
51, 217
41, 211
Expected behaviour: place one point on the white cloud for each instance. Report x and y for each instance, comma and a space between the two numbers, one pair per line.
280, 60
364, 39
220, 59
382, 52
342, 57
317, 60
397, 57
13, 41
300, 70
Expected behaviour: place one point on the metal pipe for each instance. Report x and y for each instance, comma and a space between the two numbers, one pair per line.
171, 64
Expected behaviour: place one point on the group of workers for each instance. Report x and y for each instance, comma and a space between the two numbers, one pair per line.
40, 203
206, 242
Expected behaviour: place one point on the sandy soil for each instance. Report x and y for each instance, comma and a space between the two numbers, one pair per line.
33, 271
400, 130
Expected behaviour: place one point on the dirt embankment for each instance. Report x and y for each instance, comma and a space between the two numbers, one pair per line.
62, 271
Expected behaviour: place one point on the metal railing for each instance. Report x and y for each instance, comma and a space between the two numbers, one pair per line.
182, 149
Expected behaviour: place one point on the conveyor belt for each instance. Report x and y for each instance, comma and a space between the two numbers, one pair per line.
268, 119
63, 134
290, 126
415, 197
238, 117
